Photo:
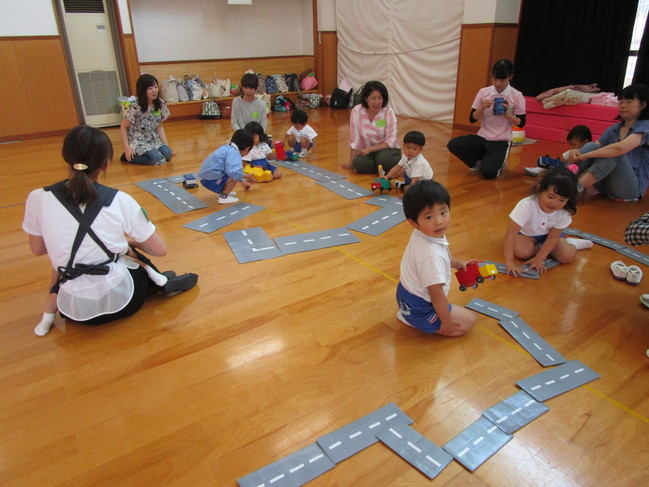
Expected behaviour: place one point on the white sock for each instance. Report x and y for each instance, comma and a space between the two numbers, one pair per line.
580, 243
156, 277
46, 323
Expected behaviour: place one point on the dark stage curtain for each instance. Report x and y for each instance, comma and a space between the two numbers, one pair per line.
573, 42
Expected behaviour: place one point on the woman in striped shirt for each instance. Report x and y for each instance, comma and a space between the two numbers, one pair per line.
373, 132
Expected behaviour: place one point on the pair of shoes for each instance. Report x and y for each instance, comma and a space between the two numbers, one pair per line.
534, 171
631, 274
476, 166
644, 299
178, 284
227, 199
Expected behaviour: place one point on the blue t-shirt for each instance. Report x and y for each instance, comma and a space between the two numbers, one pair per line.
638, 157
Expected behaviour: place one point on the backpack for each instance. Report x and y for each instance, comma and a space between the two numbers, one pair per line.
210, 110
291, 81
340, 99
282, 87
271, 85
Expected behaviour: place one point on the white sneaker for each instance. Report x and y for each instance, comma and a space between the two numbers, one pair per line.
619, 270
534, 171
476, 167
644, 299
303, 153
228, 200
633, 275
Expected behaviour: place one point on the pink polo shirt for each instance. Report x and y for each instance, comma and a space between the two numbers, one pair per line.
364, 133
497, 127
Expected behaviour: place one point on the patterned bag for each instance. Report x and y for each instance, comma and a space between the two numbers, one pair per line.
261, 89
271, 85
282, 87
182, 92
291, 81
210, 110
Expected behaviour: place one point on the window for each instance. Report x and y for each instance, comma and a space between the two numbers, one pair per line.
638, 30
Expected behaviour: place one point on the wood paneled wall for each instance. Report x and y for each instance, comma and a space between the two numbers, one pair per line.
327, 68
37, 98
481, 45
229, 68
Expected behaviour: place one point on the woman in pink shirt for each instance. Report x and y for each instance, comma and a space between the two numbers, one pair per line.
498, 107
373, 132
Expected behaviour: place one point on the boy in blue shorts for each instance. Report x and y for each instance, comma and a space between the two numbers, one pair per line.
426, 265
223, 168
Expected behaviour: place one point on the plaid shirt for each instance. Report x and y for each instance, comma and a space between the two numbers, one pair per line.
637, 233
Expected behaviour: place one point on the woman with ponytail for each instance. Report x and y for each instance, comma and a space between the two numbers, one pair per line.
93, 236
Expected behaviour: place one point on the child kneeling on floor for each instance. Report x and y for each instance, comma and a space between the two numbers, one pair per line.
261, 152
426, 265
300, 137
223, 168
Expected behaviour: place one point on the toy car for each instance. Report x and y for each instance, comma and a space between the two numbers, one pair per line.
189, 181
260, 174
381, 184
547, 161
475, 274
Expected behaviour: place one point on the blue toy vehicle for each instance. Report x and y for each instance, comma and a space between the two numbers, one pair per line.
547, 161
189, 181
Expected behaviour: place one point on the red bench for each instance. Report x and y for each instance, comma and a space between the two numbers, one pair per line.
555, 123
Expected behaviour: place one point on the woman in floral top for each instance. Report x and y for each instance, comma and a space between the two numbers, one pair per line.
143, 135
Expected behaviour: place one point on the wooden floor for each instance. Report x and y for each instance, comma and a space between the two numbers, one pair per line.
261, 359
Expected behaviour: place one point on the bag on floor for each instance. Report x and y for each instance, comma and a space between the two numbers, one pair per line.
210, 110
291, 81
358, 96
169, 90
340, 99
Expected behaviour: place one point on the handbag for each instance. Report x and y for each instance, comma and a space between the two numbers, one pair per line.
210, 110
271, 85
340, 99
309, 82
358, 96
169, 90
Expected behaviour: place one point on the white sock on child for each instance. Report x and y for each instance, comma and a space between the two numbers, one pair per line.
46, 323
156, 277
580, 243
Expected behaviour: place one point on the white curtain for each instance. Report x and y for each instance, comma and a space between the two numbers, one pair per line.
411, 46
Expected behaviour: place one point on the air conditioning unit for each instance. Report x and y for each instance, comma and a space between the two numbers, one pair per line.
94, 56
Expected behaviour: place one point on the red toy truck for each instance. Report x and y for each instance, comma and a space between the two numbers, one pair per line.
475, 274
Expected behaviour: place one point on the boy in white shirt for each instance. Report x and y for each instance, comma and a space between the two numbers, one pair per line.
413, 166
426, 265
300, 137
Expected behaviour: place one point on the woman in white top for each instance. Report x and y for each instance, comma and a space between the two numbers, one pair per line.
373, 132
94, 283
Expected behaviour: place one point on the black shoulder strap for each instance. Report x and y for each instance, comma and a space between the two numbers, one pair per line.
105, 196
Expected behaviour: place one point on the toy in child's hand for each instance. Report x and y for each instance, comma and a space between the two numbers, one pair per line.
292, 155
261, 175
499, 105
475, 272
189, 181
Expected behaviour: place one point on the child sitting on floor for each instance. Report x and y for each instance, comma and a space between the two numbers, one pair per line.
261, 152
300, 137
578, 137
537, 223
426, 265
223, 168
413, 166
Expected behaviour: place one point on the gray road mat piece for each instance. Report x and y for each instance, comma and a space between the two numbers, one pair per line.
491, 309
224, 217
420, 452
316, 240
557, 380
296, 469
379, 221
515, 412
251, 244
358, 435
344, 188
532, 342
477, 443
310, 170
172, 196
